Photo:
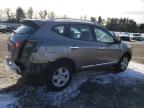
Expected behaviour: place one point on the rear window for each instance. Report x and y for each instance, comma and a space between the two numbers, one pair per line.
59, 30
24, 29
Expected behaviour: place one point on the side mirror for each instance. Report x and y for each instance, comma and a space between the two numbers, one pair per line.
117, 39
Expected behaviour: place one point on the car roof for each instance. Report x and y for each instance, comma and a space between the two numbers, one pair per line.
61, 21
70, 20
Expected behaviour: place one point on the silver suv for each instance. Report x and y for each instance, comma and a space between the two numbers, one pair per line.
59, 48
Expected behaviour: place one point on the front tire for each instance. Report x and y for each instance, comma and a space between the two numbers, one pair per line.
58, 75
122, 64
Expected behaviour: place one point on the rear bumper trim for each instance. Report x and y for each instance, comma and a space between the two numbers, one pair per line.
12, 66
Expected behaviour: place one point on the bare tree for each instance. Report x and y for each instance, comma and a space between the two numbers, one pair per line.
65, 16
85, 17
8, 13
100, 20
0, 14
30, 13
81, 17
35, 14
93, 19
43, 14
51, 15
20, 14
3, 15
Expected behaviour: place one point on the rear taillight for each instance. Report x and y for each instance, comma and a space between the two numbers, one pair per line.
29, 47
18, 44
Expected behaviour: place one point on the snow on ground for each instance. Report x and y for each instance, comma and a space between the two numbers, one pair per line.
6, 100
135, 71
39, 95
137, 67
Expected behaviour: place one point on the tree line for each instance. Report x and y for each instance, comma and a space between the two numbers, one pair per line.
120, 24
20, 14
113, 24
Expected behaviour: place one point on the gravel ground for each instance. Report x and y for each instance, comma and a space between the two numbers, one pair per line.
98, 88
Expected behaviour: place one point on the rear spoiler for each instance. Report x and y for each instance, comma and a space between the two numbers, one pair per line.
32, 22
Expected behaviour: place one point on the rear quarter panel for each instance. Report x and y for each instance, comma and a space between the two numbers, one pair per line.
51, 46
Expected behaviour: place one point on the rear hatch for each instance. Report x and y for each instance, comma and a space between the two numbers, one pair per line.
19, 37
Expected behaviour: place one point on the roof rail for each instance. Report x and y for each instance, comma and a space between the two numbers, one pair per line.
71, 19
94, 22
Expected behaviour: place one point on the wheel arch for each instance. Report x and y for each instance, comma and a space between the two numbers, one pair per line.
66, 60
128, 54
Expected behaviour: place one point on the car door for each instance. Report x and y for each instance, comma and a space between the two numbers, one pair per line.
108, 50
81, 46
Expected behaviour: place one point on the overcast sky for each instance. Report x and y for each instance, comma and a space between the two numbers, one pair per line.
133, 9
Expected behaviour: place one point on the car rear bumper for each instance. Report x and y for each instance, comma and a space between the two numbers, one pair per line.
12, 65
137, 38
30, 68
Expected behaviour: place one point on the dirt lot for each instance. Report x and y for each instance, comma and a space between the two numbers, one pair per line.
98, 88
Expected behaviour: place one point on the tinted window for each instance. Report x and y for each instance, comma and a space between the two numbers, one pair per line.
25, 30
80, 32
136, 34
103, 36
59, 30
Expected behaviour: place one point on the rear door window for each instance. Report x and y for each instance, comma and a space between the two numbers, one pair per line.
59, 29
81, 32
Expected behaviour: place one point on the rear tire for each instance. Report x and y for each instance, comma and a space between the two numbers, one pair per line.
122, 64
58, 75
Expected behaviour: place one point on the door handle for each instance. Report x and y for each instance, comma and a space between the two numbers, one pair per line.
74, 47
101, 48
